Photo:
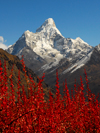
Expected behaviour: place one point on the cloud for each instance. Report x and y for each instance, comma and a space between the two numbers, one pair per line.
1, 39
2, 45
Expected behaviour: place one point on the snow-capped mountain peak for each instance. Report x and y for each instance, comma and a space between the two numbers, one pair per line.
48, 27
27, 32
78, 39
51, 46
48, 23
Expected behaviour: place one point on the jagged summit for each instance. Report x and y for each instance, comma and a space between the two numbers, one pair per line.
48, 27
26, 32
79, 40
48, 22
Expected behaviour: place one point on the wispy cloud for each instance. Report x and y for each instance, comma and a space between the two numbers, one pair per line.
2, 41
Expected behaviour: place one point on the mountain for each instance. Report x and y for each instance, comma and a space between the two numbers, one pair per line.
47, 50
14, 60
48, 46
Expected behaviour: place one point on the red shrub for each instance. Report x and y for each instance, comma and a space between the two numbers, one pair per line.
58, 115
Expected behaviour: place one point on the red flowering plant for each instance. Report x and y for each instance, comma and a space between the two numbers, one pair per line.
32, 114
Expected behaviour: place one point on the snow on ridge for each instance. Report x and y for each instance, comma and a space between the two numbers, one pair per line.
79, 64
80, 40
9, 46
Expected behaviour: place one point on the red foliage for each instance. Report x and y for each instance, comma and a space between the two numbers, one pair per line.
59, 115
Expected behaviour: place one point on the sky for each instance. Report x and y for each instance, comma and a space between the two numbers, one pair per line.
73, 18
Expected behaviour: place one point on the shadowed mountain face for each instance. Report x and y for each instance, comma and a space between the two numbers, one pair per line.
93, 72
14, 60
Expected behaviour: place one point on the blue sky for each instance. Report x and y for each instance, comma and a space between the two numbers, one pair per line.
74, 18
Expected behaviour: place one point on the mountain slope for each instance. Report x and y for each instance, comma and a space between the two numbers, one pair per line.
14, 60
93, 72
